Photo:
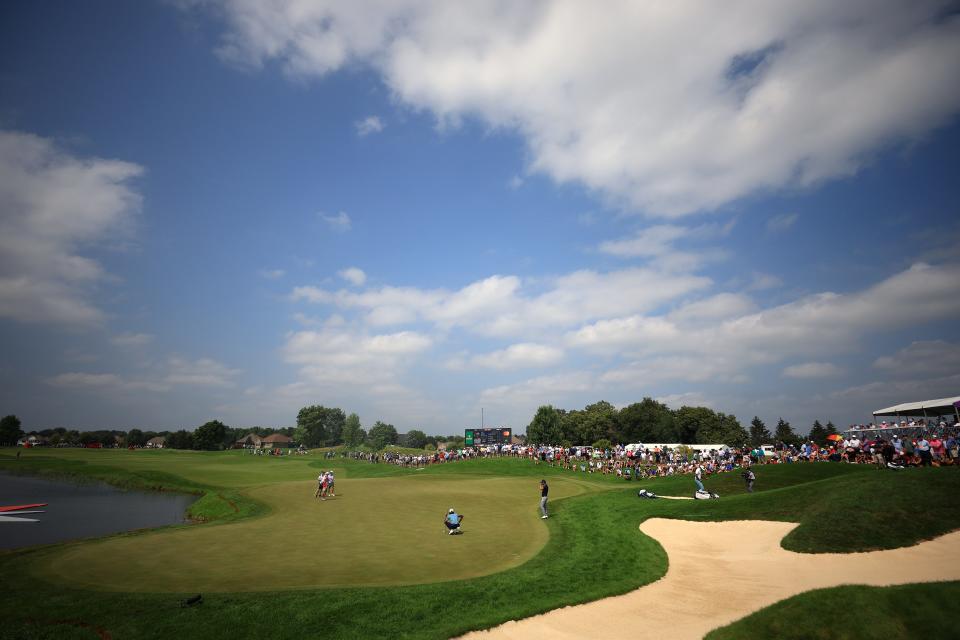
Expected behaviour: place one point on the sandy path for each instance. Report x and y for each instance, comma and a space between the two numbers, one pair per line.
720, 572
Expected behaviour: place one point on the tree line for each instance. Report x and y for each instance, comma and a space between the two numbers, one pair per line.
651, 421
320, 426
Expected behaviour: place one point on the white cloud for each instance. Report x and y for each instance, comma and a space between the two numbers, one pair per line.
202, 372
502, 306
650, 242
353, 275
923, 358
104, 382
889, 393
132, 339
529, 394
687, 399
370, 124
341, 356
272, 274
820, 324
340, 222
53, 207
781, 223
812, 370
520, 356
774, 95
764, 281
81, 379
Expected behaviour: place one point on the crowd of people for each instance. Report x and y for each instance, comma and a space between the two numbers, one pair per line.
883, 446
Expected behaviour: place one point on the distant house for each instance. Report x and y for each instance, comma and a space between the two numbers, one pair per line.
275, 440
272, 441
249, 440
157, 443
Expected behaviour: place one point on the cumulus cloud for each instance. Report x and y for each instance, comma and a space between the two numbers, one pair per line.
132, 339
812, 370
340, 355
520, 356
104, 382
774, 96
340, 222
781, 223
202, 372
353, 275
54, 207
922, 358
818, 324
370, 124
503, 306
552, 389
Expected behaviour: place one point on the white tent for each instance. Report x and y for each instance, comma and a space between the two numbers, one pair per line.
926, 408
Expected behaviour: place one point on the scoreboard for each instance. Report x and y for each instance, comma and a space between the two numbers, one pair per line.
480, 437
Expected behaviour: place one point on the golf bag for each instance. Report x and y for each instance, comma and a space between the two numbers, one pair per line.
649, 495
894, 466
705, 495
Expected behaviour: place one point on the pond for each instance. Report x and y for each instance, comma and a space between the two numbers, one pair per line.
82, 510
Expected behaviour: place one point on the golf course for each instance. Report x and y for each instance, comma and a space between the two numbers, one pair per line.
271, 560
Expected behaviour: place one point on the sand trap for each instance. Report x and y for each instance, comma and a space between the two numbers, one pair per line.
720, 572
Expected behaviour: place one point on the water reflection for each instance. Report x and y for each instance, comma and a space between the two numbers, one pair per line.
83, 510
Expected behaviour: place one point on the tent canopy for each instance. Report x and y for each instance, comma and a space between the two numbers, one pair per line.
939, 407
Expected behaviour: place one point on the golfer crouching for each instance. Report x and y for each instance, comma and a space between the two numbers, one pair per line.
453, 521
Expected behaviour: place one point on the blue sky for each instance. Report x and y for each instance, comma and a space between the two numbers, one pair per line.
413, 210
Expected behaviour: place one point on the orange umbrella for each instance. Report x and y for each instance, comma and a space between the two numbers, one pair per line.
836, 437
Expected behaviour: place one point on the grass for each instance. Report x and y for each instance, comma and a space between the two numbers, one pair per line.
919, 611
594, 548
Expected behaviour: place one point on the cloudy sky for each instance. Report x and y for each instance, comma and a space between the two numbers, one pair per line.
415, 210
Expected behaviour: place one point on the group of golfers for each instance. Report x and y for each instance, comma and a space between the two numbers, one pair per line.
325, 486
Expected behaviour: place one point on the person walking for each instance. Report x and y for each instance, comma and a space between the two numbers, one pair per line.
749, 477
698, 478
544, 490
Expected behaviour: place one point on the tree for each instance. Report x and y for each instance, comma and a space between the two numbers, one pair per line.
545, 427
416, 439
135, 438
598, 422
818, 434
698, 424
784, 433
182, 439
319, 426
352, 432
603, 444
209, 436
570, 426
759, 434
732, 432
831, 430
10, 431
646, 421
381, 434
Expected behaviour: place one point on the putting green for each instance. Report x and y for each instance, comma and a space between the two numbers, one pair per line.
377, 531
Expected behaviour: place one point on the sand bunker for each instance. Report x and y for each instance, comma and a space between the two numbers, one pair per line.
722, 571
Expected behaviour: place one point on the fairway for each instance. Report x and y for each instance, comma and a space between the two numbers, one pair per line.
377, 531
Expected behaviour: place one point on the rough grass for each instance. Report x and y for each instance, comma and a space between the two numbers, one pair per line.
594, 550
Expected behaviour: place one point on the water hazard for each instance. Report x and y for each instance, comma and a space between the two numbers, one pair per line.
82, 510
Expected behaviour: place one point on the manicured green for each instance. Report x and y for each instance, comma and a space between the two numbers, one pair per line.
594, 548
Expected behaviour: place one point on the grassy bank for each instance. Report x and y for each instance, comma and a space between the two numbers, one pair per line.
914, 611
